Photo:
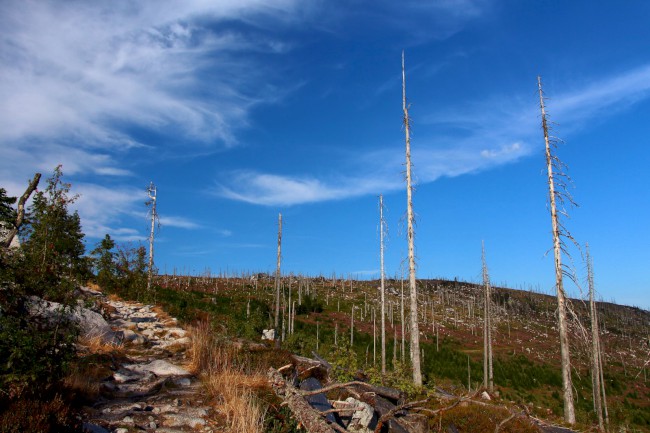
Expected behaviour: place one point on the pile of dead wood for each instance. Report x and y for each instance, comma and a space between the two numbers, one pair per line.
305, 385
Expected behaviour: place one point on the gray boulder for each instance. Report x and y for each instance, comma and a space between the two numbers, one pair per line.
91, 324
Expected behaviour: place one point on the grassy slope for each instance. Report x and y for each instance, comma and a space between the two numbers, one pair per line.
525, 342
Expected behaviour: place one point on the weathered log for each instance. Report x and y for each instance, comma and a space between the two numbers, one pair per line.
319, 401
393, 394
309, 418
387, 411
307, 367
357, 388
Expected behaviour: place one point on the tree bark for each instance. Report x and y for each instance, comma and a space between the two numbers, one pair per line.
415, 333
569, 409
488, 377
383, 287
277, 278
595, 343
152, 193
20, 213
311, 420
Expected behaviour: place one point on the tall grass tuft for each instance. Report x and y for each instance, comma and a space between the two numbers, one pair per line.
229, 378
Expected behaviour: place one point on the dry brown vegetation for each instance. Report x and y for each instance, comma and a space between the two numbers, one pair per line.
229, 379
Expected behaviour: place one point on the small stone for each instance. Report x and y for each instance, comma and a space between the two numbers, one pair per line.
121, 430
183, 382
485, 396
127, 419
153, 425
156, 410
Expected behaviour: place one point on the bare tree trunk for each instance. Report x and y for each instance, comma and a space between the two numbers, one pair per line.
415, 334
383, 287
20, 212
403, 351
569, 410
352, 327
152, 193
488, 377
374, 337
602, 383
595, 343
277, 278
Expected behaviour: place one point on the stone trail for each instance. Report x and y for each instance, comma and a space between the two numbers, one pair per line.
150, 391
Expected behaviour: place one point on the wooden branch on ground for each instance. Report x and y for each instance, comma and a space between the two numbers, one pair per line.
379, 390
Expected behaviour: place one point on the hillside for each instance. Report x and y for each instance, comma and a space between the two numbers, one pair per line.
525, 337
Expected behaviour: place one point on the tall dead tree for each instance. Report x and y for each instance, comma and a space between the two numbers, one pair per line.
415, 334
20, 211
151, 203
488, 376
597, 387
277, 278
555, 172
383, 287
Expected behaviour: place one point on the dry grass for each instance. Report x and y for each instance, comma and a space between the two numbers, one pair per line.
95, 345
229, 379
93, 365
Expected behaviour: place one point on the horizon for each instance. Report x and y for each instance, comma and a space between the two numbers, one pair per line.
243, 110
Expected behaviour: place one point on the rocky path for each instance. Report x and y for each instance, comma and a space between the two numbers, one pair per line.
150, 388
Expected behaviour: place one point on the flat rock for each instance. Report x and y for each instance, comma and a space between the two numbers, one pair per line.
159, 367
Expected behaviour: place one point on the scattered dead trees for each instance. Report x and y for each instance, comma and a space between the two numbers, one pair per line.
20, 212
558, 195
415, 333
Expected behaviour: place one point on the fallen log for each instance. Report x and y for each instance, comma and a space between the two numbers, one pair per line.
309, 418
307, 367
319, 401
360, 388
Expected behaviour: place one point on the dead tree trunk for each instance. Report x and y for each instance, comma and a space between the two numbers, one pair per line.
20, 212
383, 288
551, 162
403, 346
277, 278
415, 334
595, 345
488, 377
152, 193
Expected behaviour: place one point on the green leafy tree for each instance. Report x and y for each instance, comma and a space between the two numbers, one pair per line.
132, 268
104, 262
7, 212
36, 350
53, 242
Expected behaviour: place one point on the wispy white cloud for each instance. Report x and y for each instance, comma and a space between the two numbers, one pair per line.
84, 74
73, 68
477, 137
106, 210
178, 222
272, 190
602, 97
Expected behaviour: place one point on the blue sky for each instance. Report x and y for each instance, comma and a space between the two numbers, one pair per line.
238, 110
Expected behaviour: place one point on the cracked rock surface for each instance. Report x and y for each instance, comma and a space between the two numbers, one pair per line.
150, 389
